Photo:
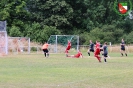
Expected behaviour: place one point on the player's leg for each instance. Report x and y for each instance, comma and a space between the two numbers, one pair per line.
121, 52
98, 57
88, 52
71, 56
44, 50
105, 59
47, 53
66, 52
67, 48
96, 54
105, 56
125, 52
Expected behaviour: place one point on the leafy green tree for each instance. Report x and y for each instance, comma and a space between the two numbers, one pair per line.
108, 33
100, 13
128, 38
90, 19
13, 11
126, 25
37, 34
15, 32
51, 12
45, 33
4, 9
79, 14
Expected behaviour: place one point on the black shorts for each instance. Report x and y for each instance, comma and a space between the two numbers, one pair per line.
123, 49
45, 50
91, 50
105, 54
101, 49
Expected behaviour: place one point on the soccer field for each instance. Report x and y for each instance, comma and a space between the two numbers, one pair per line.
58, 71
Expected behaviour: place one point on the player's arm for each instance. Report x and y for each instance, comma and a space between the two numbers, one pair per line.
69, 44
102, 48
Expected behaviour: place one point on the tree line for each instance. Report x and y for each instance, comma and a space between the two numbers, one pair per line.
90, 19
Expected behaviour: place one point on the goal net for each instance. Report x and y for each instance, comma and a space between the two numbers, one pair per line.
59, 43
3, 38
19, 45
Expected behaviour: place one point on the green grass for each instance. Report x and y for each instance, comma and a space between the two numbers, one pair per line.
57, 71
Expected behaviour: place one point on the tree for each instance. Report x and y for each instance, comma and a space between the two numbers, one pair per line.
15, 32
37, 34
126, 25
100, 13
12, 11
128, 38
51, 12
38, 19
108, 33
79, 13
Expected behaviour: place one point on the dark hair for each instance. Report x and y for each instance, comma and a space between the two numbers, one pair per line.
105, 43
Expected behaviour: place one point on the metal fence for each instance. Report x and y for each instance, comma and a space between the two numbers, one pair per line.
83, 48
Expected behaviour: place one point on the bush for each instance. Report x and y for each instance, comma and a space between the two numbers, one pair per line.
108, 33
33, 48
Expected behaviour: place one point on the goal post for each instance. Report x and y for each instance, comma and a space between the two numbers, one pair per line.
12, 44
3, 38
59, 42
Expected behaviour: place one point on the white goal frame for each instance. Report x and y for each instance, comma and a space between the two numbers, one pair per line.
19, 45
56, 41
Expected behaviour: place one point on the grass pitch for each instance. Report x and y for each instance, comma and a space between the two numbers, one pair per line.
58, 71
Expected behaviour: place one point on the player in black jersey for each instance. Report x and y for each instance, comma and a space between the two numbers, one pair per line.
105, 51
91, 47
123, 47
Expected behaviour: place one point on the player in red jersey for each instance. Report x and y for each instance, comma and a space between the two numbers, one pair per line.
78, 55
97, 51
68, 47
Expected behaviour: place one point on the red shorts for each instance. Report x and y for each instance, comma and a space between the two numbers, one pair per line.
68, 47
97, 52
